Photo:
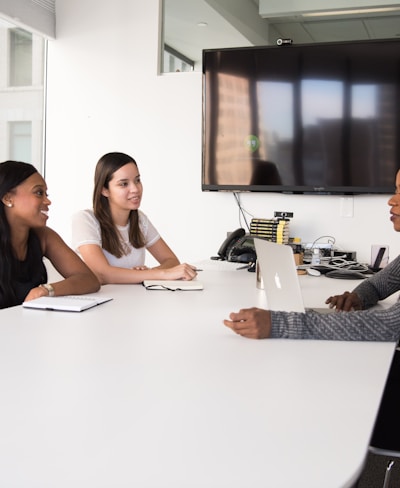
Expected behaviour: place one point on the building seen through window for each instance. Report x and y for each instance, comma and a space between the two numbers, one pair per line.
22, 83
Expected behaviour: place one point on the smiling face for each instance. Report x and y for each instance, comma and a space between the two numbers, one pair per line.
125, 189
27, 204
394, 202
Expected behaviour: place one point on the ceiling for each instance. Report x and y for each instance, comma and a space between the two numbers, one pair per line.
238, 23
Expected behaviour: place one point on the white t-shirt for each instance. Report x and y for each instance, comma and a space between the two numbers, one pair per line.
86, 230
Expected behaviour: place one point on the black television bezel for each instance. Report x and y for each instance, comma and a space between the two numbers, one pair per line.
298, 189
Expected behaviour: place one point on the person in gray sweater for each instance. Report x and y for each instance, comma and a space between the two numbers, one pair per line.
357, 320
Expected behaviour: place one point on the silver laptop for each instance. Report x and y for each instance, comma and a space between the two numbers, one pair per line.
279, 273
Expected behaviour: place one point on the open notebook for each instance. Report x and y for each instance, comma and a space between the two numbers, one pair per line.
68, 303
172, 285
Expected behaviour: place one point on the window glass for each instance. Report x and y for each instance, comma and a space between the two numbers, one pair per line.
20, 141
20, 57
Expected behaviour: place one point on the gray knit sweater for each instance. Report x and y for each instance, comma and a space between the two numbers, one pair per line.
376, 324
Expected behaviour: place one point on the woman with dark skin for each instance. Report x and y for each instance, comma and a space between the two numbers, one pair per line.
25, 240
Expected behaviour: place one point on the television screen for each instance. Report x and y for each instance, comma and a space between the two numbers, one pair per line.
311, 118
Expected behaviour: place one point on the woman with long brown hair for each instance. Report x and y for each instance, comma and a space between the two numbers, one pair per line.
112, 238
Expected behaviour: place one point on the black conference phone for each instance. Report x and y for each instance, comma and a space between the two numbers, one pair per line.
238, 247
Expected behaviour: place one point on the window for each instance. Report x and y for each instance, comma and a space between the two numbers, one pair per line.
22, 83
20, 57
20, 141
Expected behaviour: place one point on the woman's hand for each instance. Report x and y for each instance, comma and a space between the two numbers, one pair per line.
346, 302
180, 272
37, 292
253, 323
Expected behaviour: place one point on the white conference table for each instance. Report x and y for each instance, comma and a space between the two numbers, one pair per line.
151, 390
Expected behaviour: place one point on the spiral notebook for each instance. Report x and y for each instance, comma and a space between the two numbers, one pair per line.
68, 303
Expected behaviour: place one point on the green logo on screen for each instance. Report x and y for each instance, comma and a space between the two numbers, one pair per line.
252, 143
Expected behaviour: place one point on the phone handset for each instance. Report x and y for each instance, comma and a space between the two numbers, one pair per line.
229, 242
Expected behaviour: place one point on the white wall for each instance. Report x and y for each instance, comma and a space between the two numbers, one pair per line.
104, 95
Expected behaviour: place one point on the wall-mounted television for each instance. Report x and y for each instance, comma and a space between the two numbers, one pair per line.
309, 118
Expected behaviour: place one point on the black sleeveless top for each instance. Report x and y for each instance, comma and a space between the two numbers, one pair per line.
27, 274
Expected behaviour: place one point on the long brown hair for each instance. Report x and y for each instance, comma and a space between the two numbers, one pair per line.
111, 241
